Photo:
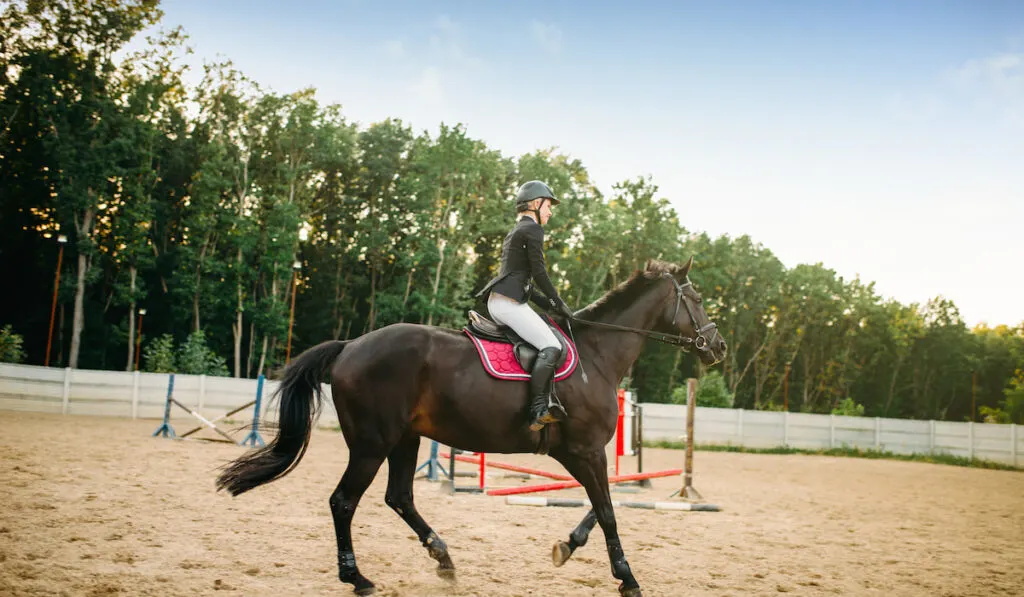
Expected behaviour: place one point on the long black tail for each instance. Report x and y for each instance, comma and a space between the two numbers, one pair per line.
300, 401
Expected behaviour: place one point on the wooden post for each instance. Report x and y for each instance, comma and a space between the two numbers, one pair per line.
689, 492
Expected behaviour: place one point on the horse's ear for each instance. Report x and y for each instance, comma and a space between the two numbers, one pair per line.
685, 270
647, 265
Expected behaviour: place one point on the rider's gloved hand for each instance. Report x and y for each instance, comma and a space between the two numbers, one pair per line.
562, 309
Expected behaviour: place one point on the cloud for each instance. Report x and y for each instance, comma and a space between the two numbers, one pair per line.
996, 82
394, 48
446, 43
1001, 73
547, 36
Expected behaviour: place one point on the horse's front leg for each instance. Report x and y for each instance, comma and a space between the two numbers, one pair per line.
563, 550
591, 471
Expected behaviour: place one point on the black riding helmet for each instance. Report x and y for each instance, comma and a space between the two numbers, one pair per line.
534, 189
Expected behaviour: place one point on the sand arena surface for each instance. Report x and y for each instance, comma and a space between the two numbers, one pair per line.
96, 506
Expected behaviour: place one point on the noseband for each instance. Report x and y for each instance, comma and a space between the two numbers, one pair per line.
701, 341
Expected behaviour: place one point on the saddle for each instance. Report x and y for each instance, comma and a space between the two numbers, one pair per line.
505, 355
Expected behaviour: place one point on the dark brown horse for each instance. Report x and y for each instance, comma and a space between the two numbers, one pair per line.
405, 381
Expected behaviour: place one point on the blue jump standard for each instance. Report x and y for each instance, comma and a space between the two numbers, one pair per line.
253, 438
433, 464
166, 430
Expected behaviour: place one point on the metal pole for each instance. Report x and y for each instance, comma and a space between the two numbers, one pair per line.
53, 307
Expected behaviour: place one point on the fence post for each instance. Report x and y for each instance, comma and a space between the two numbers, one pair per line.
832, 431
970, 439
202, 391
739, 426
931, 437
135, 394
878, 433
1013, 443
66, 396
785, 428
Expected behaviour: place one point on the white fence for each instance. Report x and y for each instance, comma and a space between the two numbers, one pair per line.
764, 429
143, 395
136, 395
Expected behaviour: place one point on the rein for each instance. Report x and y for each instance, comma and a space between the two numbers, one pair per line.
699, 341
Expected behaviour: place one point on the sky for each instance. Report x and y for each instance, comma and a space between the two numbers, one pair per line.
884, 140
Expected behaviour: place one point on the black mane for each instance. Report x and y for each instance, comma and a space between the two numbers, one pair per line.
626, 293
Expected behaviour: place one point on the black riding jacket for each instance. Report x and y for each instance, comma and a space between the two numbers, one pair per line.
522, 260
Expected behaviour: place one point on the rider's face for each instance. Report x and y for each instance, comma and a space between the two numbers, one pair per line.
545, 211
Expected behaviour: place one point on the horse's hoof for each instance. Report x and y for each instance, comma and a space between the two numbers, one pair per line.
560, 553
446, 573
366, 591
634, 592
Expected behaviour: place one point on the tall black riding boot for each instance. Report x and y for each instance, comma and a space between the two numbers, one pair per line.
540, 389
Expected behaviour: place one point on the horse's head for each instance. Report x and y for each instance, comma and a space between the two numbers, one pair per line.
683, 314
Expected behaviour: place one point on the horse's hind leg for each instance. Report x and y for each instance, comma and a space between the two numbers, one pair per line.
401, 470
361, 470
563, 550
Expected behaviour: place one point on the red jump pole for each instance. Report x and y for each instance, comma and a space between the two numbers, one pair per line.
571, 484
511, 467
483, 464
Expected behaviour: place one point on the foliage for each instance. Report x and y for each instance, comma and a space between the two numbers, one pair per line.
193, 357
712, 391
159, 355
11, 346
994, 415
849, 408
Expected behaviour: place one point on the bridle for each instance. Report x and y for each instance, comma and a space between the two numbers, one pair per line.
701, 340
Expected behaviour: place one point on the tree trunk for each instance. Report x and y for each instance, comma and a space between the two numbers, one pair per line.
199, 285
408, 290
437, 281
78, 323
252, 351
273, 301
131, 320
237, 327
263, 356
79, 313
372, 319
892, 387
339, 292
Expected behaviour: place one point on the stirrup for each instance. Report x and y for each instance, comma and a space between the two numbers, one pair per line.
554, 412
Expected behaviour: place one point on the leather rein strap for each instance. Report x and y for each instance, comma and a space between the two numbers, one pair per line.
700, 341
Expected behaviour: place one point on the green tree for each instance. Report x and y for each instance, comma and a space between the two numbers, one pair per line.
712, 391
11, 346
